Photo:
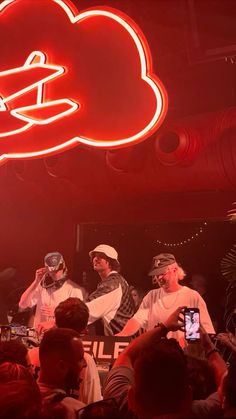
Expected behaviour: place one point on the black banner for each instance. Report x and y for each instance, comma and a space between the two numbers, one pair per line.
105, 348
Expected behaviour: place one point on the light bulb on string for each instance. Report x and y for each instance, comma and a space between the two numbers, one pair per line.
186, 240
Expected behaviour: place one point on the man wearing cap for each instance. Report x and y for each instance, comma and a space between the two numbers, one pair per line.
50, 286
111, 301
158, 304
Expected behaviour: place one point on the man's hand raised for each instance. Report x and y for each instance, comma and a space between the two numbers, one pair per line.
176, 320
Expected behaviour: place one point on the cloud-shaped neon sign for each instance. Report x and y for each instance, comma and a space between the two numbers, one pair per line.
68, 77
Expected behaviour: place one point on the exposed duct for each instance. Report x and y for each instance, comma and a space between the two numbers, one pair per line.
180, 142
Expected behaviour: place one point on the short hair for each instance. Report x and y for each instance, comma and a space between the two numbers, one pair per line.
57, 341
201, 377
11, 371
13, 351
73, 314
161, 378
20, 399
114, 264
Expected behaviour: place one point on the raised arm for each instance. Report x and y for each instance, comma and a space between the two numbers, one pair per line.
29, 296
131, 327
129, 355
215, 361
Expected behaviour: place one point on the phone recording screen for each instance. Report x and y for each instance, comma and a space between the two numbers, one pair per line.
5, 333
19, 330
192, 324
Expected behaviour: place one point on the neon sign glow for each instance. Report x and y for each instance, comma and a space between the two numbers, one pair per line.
35, 61
92, 85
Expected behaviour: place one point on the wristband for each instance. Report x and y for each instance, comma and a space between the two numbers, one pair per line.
212, 351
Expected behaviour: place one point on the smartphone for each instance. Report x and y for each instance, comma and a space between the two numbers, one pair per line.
192, 324
5, 333
18, 330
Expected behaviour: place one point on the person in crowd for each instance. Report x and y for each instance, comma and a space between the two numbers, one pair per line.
229, 390
14, 351
159, 303
200, 283
11, 371
7, 284
73, 314
61, 357
149, 378
105, 409
50, 286
201, 377
20, 399
137, 295
211, 406
111, 301
19, 396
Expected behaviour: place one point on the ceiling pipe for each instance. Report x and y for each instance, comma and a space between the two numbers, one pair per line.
181, 141
213, 169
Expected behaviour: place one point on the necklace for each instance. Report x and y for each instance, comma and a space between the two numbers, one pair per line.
162, 295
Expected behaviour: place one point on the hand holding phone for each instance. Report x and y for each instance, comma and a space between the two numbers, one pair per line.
192, 324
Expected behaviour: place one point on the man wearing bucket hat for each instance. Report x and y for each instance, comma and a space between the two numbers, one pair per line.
50, 286
111, 301
158, 304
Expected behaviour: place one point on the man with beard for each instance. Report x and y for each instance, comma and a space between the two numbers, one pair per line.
50, 286
111, 301
158, 304
61, 357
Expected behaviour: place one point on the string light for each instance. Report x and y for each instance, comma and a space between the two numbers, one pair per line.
232, 213
186, 240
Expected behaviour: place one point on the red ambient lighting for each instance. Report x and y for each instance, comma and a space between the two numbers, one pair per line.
68, 77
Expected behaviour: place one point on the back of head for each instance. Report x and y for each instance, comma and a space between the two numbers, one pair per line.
20, 400
73, 314
161, 383
13, 351
201, 377
56, 342
10, 371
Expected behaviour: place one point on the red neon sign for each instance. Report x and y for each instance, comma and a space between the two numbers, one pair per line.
69, 78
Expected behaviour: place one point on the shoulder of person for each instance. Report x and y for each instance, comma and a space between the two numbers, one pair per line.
72, 404
112, 281
153, 294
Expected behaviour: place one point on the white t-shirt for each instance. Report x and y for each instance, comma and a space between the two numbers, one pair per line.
157, 306
52, 297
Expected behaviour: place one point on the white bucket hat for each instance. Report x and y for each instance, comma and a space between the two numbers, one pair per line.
107, 250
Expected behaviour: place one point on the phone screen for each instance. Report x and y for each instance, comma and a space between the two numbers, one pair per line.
19, 330
192, 324
5, 333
